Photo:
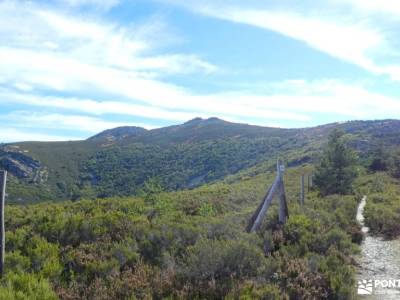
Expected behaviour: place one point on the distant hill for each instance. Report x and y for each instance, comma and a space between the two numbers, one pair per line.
117, 162
119, 133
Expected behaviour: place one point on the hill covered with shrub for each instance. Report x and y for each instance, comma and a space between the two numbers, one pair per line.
177, 240
183, 245
119, 161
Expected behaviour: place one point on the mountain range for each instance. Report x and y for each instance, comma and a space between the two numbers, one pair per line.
119, 161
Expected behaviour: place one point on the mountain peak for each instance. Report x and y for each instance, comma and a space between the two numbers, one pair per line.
198, 120
119, 133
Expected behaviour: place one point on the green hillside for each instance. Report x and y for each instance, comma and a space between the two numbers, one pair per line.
184, 245
119, 161
193, 243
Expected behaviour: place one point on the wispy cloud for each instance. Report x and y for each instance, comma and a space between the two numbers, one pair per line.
288, 100
11, 134
350, 42
102, 4
94, 107
54, 121
386, 7
87, 57
82, 70
50, 34
331, 29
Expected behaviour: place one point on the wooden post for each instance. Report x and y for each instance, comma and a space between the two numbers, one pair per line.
276, 187
3, 180
264, 206
283, 209
302, 189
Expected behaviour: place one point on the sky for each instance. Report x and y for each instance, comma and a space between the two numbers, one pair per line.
72, 68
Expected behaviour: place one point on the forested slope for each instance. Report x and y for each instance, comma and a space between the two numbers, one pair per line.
120, 161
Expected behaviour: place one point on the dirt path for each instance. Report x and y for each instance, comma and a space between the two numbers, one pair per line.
379, 261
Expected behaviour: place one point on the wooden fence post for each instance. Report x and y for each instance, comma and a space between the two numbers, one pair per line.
302, 189
3, 180
277, 187
255, 221
283, 209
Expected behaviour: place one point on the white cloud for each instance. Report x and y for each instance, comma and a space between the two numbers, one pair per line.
196, 106
93, 107
338, 32
43, 52
35, 30
387, 7
350, 42
105, 60
24, 119
15, 135
101, 4
176, 63
289, 100
336, 97
23, 87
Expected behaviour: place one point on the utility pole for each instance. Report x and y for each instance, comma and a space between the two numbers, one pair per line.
3, 180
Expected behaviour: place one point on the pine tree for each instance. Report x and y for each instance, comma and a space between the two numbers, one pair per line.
337, 170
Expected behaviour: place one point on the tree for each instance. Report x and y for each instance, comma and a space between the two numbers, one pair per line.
394, 166
336, 172
151, 189
379, 159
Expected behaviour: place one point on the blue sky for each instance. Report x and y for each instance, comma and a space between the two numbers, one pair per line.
72, 68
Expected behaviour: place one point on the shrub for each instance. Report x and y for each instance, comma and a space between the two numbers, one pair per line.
25, 286
249, 291
212, 266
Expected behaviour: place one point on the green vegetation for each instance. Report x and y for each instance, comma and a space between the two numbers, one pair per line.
178, 167
153, 238
119, 161
380, 159
388, 160
382, 212
382, 185
182, 245
26, 286
337, 169
394, 164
